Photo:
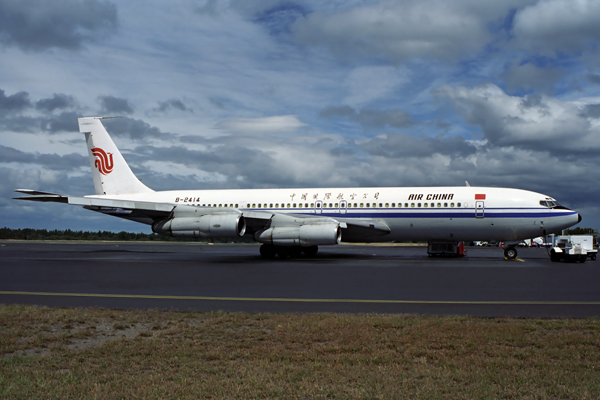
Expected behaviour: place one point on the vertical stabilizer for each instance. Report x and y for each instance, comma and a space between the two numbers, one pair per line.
110, 171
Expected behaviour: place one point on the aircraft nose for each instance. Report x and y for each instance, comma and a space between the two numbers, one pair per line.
578, 218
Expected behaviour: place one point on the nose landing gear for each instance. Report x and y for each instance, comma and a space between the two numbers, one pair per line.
510, 253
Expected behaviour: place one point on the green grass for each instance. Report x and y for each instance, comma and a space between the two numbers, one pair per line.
94, 353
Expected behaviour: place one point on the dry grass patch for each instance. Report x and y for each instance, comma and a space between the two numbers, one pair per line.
92, 353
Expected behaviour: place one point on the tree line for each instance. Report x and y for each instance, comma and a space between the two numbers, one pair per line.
581, 231
68, 234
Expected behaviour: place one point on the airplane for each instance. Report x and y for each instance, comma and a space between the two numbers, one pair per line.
289, 222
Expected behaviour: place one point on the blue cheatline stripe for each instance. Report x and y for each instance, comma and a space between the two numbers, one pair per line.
297, 300
469, 213
517, 212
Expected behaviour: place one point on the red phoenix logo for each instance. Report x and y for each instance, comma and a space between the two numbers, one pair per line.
104, 160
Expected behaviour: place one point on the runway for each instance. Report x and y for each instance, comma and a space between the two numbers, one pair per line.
349, 279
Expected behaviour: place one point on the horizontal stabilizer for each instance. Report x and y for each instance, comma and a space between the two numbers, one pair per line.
35, 192
36, 195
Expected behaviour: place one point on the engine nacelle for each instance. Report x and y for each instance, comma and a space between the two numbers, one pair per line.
304, 235
203, 226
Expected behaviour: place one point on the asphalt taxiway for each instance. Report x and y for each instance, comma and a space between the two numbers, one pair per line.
352, 279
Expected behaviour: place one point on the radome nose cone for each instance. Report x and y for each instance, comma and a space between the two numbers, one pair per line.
579, 218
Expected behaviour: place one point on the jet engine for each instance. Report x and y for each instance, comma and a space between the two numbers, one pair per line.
304, 235
203, 226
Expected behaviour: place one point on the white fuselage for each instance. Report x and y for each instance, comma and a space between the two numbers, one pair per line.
412, 213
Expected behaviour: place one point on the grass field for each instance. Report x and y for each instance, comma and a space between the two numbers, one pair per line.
94, 353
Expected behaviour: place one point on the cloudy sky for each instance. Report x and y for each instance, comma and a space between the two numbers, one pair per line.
261, 94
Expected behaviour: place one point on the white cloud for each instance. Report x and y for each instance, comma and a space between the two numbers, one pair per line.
277, 124
401, 30
536, 122
552, 26
366, 84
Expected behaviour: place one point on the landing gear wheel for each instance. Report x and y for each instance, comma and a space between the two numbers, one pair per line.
283, 252
268, 251
510, 253
310, 251
294, 251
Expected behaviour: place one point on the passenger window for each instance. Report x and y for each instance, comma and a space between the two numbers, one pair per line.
374, 205
451, 204
368, 205
425, 205
439, 205
412, 205
393, 204
362, 205
380, 205
288, 205
354, 205
270, 205
259, 206
299, 205
418, 204
294, 205
253, 205
406, 205
445, 204
337, 205
236, 206
432, 205
457, 204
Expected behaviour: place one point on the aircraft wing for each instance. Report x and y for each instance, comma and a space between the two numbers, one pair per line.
145, 211
354, 229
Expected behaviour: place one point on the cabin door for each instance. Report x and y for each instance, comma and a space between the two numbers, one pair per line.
479, 209
343, 206
318, 206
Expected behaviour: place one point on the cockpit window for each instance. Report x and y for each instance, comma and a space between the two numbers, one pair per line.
550, 203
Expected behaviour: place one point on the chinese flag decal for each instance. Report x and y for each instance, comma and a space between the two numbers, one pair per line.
480, 197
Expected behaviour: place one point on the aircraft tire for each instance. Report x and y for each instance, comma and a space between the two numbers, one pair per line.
310, 251
268, 251
283, 252
510, 253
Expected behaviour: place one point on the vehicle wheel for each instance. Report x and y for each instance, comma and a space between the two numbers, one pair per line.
310, 251
593, 257
582, 259
268, 251
510, 253
554, 257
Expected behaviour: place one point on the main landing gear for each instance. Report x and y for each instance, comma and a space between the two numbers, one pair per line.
269, 251
510, 253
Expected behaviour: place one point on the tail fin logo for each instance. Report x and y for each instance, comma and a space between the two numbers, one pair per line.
104, 160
